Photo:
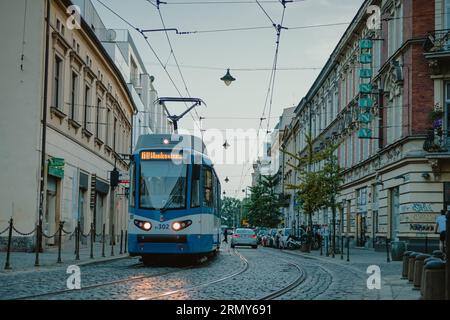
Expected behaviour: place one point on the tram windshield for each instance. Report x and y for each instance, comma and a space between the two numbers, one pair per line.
162, 185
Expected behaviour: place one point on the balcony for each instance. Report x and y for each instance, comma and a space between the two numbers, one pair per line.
437, 50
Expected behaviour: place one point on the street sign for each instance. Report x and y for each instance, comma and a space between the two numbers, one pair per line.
365, 133
365, 44
365, 88
365, 118
56, 167
365, 73
365, 58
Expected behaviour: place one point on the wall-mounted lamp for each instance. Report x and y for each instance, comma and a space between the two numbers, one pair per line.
426, 175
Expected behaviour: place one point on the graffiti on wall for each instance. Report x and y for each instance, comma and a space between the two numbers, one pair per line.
421, 227
417, 207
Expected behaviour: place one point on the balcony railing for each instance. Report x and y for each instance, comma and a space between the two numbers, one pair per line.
436, 141
438, 41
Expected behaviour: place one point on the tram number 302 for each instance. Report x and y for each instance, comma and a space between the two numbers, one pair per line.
162, 226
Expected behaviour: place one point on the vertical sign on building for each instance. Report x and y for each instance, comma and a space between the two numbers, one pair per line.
365, 89
93, 191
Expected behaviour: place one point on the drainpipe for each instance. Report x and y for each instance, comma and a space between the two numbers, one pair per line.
44, 137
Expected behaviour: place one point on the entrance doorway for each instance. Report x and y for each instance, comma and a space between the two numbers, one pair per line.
395, 213
51, 217
361, 229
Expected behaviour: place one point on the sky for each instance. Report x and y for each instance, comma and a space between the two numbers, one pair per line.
204, 58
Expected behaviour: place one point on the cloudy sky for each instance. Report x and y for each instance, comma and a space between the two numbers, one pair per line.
205, 56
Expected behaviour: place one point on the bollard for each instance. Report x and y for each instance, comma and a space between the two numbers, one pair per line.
327, 253
103, 240
422, 282
411, 262
418, 269
321, 246
388, 259
77, 239
342, 248
405, 264
8, 252
61, 226
112, 241
38, 245
426, 243
92, 241
126, 241
121, 242
434, 284
348, 249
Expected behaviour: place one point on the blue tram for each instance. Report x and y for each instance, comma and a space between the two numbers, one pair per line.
174, 206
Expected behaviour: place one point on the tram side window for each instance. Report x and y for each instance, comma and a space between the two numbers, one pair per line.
215, 193
132, 185
195, 196
207, 188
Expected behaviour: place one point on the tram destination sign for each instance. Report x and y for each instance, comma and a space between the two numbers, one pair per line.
161, 155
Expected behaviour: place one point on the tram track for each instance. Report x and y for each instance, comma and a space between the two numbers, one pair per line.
110, 283
205, 284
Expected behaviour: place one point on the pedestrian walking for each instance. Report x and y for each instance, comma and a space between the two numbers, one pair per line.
441, 229
225, 235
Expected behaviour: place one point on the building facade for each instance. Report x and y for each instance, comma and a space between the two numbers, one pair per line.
382, 98
90, 112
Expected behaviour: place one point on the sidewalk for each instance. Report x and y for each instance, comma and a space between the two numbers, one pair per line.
21, 261
392, 286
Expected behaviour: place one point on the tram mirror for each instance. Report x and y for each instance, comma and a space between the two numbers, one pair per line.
196, 169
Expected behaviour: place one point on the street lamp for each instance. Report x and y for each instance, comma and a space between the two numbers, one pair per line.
227, 180
228, 78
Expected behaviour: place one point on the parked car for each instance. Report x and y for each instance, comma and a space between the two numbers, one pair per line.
284, 235
261, 234
244, 237
270, 238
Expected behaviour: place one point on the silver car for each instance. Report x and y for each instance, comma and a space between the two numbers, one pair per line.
244, 237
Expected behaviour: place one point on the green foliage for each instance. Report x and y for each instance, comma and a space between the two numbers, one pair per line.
263, 205
319, 178
231, 208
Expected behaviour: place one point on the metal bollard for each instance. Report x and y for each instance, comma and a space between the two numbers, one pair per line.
61, 226
126, 241
348, 249
342, 247
92, 240
327, 252
321, 245
426, 244
387, 250
121, 242
8, 252
103, 240
112, 241
38, 245
77, 245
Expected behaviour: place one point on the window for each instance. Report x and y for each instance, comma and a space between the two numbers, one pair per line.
395, 28
162, 185
394, 120
207, 187
97, 120
134, 73
86, 118
132, 184
108, 122
115, 134
195, 189
74, 96
215, 193
57, 79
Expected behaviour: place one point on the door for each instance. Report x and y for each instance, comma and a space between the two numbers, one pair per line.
99, 213
395, 213
361, 228
81, 211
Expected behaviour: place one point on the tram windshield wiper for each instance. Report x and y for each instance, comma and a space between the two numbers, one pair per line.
174, 194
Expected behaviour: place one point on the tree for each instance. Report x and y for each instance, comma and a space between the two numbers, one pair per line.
318, 180
264, 205
230, 211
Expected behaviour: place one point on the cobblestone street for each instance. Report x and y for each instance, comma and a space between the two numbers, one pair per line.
241, 274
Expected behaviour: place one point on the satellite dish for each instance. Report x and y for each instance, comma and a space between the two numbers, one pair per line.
111, 35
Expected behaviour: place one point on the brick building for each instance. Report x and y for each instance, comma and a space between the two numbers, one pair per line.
383, 97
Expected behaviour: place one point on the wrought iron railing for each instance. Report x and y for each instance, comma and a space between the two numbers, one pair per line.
436, 141
438, 41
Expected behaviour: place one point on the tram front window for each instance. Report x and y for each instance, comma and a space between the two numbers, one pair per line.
162, 185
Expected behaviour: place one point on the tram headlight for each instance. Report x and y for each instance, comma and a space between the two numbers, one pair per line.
180, 225
144, 225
